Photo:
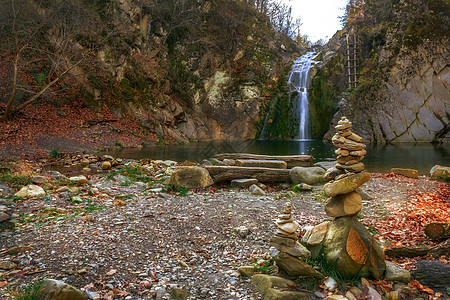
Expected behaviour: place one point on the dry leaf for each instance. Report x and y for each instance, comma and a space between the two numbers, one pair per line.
111, 272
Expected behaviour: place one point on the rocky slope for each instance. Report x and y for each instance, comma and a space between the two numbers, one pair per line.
403, 93
185, 70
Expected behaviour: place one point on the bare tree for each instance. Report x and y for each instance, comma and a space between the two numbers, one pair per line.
48, 40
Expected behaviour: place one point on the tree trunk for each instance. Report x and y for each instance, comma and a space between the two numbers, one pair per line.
291, 160
411, 251
226, 173
437, 230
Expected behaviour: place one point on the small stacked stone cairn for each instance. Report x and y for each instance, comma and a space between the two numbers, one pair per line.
347, 245
286, 250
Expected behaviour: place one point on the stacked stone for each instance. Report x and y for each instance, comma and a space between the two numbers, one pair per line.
350, 152
350, 148
347, 245
286, 250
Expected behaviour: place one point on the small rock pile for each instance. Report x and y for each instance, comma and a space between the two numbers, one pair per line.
286, 250
350, 147
347, 245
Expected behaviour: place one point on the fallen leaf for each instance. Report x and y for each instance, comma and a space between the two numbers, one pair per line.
111, 272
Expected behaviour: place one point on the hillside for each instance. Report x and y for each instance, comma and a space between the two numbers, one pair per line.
178, 70
403, 93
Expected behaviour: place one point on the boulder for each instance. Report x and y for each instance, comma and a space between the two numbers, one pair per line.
396, 273
311, 175
314, 238
247, 271
53, 289
39, 179
343, 205
292, 265
346, 185
30, 191
440, 173
4, 216
411, 173
351, 249
244, 182
190, 177
264, 284
106, 165
256, 190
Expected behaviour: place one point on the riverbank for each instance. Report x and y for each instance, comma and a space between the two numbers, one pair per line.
124, 233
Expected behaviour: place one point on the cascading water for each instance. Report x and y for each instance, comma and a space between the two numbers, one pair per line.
298, 81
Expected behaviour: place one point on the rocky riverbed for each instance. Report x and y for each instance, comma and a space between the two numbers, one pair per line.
125, 234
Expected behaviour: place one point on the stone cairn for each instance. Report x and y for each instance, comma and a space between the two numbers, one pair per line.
287, 250
345, 243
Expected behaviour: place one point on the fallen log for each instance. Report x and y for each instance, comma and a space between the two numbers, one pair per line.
437, 230
228, 173
414, 251
291, 160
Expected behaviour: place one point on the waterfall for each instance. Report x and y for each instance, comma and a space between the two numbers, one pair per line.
298, 81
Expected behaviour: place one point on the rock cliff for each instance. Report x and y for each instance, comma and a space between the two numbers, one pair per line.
403, 94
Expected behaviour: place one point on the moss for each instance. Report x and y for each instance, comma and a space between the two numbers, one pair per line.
323, 95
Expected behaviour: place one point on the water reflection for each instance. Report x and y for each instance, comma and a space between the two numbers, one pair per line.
379, 158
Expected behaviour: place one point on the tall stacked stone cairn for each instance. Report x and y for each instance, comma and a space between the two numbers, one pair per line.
286, 250
344, 242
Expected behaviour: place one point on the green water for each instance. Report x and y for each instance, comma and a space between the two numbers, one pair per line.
379, 158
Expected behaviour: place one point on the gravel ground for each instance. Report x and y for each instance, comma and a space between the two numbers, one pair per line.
132, 243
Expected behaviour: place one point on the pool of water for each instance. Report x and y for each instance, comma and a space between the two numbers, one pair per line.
379, 158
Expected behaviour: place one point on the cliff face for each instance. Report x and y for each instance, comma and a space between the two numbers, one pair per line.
186, 70
403, 93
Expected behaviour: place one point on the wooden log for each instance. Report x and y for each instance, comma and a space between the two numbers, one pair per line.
291, 160
228, 173
414, 251
437, 230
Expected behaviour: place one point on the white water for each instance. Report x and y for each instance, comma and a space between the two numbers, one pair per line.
298, 81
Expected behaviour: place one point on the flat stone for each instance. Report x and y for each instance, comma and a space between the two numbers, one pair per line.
244, 182
342, 152
325, 164
354, 137
264, 284
411, 173
256, 163
293, 266
289, 246
355, 168
289, 227
358, 153
345, 159
348, 144
346, 185
79, 179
